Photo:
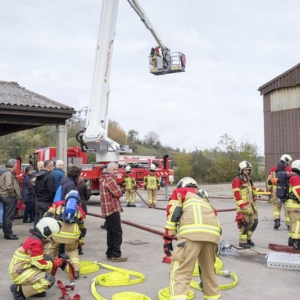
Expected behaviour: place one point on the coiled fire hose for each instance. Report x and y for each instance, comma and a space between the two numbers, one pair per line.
121, 277
118, 277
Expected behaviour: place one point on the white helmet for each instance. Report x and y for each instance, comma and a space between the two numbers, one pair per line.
296, 165
152, 167
187, 182
48, 226
203, 194
128, 169
286, 158
244, 165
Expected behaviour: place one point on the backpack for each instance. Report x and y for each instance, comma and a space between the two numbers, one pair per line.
57, 196
283, 186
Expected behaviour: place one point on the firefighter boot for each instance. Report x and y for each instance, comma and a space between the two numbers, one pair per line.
249, 242
296, 244
290, 242
276, 223
40, 295
245, 245
17, 292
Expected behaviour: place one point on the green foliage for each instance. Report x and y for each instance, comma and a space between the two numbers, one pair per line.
208, 166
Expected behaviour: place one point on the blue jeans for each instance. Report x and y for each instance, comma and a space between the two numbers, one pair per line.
1, 213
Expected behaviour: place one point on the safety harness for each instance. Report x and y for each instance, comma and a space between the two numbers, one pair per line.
70, 287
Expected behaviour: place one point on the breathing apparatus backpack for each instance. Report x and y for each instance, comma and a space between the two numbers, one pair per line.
283, 187
69, 214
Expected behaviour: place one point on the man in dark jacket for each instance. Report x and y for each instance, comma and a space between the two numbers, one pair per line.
44, 188
58, 173
9, 194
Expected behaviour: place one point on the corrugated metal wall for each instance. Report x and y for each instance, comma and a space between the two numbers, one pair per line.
282, 124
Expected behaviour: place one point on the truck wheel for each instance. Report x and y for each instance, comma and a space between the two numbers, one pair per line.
162, 182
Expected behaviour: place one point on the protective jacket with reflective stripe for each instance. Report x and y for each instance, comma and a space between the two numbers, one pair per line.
198, 221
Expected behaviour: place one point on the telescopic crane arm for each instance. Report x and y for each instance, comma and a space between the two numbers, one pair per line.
94, 136
139, 10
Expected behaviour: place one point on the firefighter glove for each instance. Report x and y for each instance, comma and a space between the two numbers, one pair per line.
49, 257
240, 220
80, 243
168, 246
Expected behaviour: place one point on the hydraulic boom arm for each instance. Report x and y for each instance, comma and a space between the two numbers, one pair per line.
94, 136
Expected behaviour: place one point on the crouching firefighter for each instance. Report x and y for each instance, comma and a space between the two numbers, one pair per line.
243, 193
194, 220
71, 217
28, 269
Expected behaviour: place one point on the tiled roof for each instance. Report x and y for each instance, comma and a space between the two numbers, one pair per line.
11, 93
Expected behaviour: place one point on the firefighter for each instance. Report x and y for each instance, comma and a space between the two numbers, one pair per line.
152, 185
154, 58
283, 165
292, 204
130, 188
71, 217
28, 269
194, 220
243, 193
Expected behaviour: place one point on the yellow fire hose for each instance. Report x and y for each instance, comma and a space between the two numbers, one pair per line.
121, 277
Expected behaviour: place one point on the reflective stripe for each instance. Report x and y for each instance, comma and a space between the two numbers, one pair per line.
196, 228
24, 276
67, 235
215, 297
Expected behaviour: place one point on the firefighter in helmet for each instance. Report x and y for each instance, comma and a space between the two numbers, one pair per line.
191, 216
292, 204
71, 217
152, 185
130, 188
283, 165
243, 193
28, 269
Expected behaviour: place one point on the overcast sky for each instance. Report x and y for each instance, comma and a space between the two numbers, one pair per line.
232, 48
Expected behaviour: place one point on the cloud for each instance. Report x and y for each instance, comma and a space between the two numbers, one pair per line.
232, 48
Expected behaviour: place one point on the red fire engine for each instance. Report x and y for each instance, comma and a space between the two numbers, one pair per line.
91, 172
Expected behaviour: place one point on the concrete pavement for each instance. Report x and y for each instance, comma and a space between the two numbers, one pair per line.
145, 252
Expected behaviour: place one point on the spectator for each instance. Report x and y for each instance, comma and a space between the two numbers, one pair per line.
58, 173
110, 194
9, 194
84, 193
40, 166
44, 188
28, 195
70, 182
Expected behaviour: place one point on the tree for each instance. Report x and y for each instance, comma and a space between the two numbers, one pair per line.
116, 133
151, 138
184, 165
133, 135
